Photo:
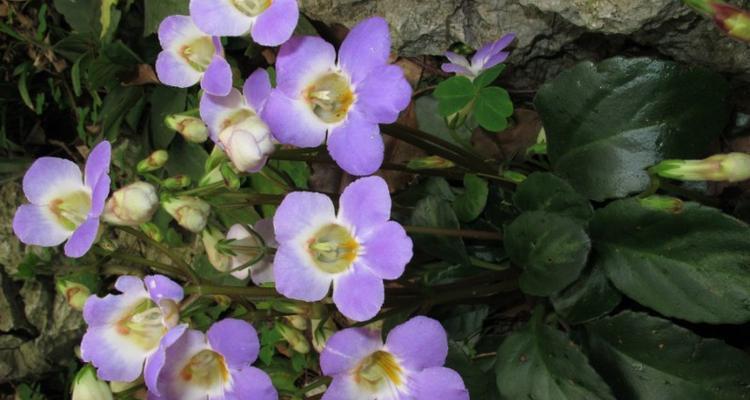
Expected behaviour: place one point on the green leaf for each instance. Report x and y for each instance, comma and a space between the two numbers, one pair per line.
430, 121
454, 94
434, 212
646, 358
479, 379
694, 265
115, 108
588, 298
542, 363
82, 15
186, 159
488, 76
165, 101
461, 322
543, 191
493, 108
107, 16
552, 249
114, 60
205, 270
607, 122
157, 10
470, 204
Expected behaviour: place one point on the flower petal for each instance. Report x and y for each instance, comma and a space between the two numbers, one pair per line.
217, 79
257, 88
456, 69
366, 48
251, 383
49, 178
173, 71
156, 361
36, 225
276, 25
115, 357
83, 238
438, 383
97, 164
483, 55
300, 61
346, 349
171, 384
126, 283
344, 388
357, 146
299, 212
162, 288
296, 277
457, 59
419, 343
219, 18
292, 121
108, 310
365, 204
384, 94
236, 340
358, 294
99, 196
215, 110
175, 30
387, 250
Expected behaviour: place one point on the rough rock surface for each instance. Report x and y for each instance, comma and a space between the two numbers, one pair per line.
552, 34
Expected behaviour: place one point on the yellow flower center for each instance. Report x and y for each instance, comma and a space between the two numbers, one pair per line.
199, 53
207, 369
237, 117
143, 325
379, 371
72, 209
330, 97
333, 249
252, 8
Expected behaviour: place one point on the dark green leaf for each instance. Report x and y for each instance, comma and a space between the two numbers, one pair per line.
607, 122
430, 121
588, 298
552, 250
470, 204
107, 69
82, 15
479, 382
205, 270
647, 358
493, 108
454, 94
542, 363
186, 159
116, 106
543, 191
165, 101
157, 10
434, 212
461, 322
694, 265
488, 76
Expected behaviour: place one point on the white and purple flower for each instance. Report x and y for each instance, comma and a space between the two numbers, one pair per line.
215, 365
247, 247
126, 330
190, 56
354, 250
64, 204
348, 98
235, 125
485, 58
270, 22
408, 366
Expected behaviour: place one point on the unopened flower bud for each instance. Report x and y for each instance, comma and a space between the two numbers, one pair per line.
191, 128
295, 338
86, 386
211, 177
247, 144
731, 167
297, 322
132, 205
152, 231
663, 203
733, 20
513, 176
119, 387
75, 293
211, 237
190, 212
540, 147
321, 333
290, 306
431, 162
153, 162
176, 182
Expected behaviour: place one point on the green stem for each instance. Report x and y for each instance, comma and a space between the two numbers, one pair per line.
239, 291
316, 383
163, 249
210, 188
155, 265
467, 233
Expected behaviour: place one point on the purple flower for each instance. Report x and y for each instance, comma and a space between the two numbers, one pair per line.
64, 204
355, 250
189, 56
487, 57
270, 22
262, 271
409, 366
215, 365
235, 125
347, 99
126, 330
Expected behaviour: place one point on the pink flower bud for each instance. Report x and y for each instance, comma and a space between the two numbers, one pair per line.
132, 205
